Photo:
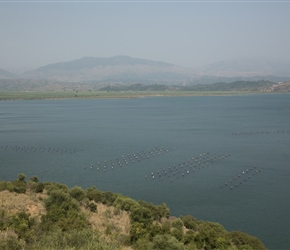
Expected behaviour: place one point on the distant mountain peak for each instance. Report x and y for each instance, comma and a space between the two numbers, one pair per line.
89, 62
111, 69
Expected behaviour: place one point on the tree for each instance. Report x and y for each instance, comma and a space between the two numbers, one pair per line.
141, 214
242, 240
21, 177
137, 231
62, 212
93, 193
189, 222
77, 193
19, 186
92, 206
177, 229
168, 242
34, 179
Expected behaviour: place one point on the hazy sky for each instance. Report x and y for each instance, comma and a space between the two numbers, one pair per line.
186, 33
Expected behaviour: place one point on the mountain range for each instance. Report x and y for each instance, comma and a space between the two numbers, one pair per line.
127, 70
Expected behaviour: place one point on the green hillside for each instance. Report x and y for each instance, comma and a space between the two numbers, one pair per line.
47, 215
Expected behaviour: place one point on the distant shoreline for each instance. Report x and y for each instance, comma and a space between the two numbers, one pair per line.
50, 95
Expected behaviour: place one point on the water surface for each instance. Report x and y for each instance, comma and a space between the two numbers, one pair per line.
232, 154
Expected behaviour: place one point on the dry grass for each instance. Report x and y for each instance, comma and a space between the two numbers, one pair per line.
109, 221
117, 220
28, 203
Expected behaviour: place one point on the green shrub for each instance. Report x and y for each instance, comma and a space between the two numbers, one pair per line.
62, 212
141, 214
188, 237
6, 185
39, 187
77, 193
241, 240
108, 198
93, 193
19, 186
125, 203
178, 223
93, 207
154, 229
211, 235
21, 177
143, 244
137, 231
51, 186
34, 178
189, 222
9, 241
168, 242
166, 226
158, 212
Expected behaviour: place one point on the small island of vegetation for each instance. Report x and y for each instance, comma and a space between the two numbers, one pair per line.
48, 215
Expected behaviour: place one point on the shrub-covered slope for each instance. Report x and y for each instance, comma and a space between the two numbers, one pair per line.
37, 215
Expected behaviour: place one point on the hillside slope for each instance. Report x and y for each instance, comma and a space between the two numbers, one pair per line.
36, 215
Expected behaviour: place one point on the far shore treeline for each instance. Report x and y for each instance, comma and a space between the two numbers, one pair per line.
44, 89
48, 215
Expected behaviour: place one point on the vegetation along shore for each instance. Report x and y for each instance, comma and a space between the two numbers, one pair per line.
38, 90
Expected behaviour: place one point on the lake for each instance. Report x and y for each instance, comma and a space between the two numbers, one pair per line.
219, 158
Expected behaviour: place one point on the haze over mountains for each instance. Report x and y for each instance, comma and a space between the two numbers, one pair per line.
4, 74
126, 70
247, 67
118, 69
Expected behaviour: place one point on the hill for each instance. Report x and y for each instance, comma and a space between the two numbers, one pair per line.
118, 69
96, 72
36, 215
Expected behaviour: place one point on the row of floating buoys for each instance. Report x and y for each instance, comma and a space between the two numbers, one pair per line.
128, 159
186, 167
261, 132
40, 149
242, 177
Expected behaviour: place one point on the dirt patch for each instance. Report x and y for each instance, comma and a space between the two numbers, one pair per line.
14, 203
109, 220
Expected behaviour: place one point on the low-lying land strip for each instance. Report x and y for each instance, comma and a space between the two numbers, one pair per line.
37, 95
19, 90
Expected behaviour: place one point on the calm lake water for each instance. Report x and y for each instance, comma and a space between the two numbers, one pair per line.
222, 159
